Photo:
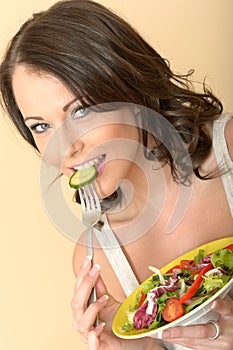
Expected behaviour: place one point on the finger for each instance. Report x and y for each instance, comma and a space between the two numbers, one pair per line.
201, 331
84, 290
87, 321
83, 270
93, 337
198, 344
223, 307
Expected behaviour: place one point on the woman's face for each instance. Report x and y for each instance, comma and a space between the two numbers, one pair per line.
68, 135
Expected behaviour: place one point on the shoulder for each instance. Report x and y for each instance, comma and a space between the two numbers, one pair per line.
229, 136
79, 256
209, 164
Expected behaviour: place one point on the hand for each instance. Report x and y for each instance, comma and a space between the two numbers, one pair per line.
105, 307
197, 337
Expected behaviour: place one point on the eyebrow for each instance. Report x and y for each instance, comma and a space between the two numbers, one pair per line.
64, 110
35, 118
69, 104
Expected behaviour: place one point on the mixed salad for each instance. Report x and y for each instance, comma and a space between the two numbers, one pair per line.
167, 297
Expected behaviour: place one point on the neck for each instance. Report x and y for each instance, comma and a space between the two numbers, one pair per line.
145, 186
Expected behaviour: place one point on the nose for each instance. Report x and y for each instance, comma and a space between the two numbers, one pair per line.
64, 144
75, 147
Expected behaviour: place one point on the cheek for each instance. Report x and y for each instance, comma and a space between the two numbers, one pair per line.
41, 144
50, 150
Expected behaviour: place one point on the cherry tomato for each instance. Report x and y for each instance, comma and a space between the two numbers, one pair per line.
172, 310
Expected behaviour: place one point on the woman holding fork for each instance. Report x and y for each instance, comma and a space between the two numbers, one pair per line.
82, 86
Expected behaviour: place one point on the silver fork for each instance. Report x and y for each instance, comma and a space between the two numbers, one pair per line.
91, 213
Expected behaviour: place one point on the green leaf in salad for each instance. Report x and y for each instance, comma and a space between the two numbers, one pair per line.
130, 316
137, 299
127, 327
158, 322
161, 301
155, 280
200, 255
196, 303
223, 258
146, 287
212, 282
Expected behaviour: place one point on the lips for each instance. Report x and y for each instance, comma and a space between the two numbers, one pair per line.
98, 162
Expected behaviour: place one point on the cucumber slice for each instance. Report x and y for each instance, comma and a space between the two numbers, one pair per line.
83, 177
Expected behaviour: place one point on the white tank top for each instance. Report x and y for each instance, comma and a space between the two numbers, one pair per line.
223, 157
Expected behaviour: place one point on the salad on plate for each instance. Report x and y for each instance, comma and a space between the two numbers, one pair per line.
166, 297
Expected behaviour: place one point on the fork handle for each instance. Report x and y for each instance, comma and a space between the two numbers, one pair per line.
91, 299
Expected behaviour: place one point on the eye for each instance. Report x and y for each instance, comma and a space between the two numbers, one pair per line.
40, 128
80, 112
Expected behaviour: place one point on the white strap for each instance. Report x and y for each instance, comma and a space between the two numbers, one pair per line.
223, 158
116, 258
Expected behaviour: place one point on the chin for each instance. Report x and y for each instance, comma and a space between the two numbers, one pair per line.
104, 189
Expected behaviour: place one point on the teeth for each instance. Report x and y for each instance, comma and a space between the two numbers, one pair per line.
78, 167
89, 164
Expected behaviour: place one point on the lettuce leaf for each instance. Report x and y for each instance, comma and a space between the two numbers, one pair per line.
223, 258
212, 282
200, 255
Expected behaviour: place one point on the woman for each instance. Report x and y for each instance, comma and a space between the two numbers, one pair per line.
76, 55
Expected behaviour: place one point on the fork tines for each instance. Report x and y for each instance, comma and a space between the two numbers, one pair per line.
89, 198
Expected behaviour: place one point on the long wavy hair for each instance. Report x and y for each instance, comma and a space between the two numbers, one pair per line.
100, 58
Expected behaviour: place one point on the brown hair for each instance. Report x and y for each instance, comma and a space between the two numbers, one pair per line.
101, 58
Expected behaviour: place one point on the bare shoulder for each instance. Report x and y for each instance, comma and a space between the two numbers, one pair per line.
229, 136
79, 255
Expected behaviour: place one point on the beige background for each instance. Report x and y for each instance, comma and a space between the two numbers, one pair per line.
35, 259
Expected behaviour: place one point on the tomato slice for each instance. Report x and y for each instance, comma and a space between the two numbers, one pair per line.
172, 310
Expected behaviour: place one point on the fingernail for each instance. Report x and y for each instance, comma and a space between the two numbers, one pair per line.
158, 335
101, 325
86, 261
164, 334
103, 299
213, 305
95, 270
